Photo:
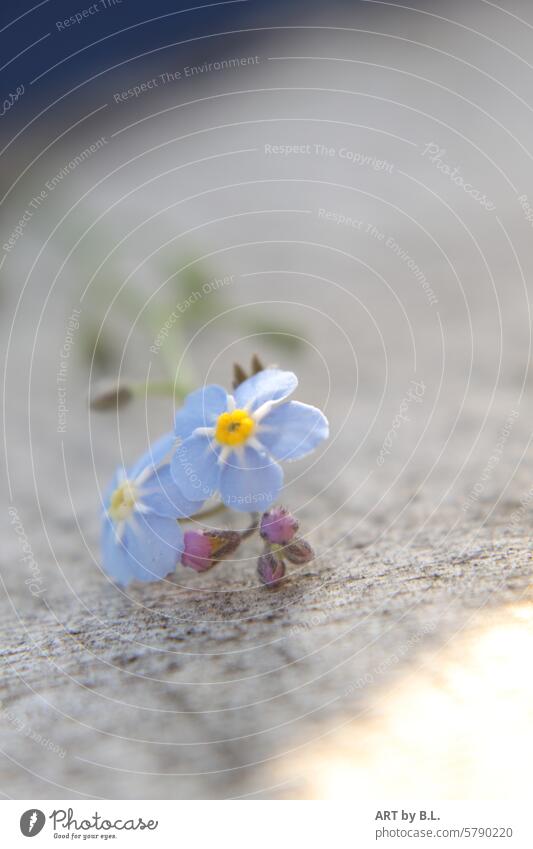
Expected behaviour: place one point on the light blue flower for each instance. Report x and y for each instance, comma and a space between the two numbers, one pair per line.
141, 538
231, 443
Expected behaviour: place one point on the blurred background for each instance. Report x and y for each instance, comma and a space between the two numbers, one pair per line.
346, 190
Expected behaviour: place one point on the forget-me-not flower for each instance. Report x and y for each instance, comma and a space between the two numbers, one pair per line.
231, 443
141, 537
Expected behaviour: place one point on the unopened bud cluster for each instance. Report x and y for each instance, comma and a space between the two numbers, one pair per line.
204, 549
278, 529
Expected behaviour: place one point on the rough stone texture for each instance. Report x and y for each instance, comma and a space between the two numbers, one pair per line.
210, 686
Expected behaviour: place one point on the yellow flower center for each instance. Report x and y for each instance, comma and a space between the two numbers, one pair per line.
234, 428
123, 501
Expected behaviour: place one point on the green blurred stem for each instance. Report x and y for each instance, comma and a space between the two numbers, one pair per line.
166, 388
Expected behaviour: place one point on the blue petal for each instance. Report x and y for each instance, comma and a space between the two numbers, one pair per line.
156, 454
115, 559
250, 482
195, 469
201, 409
154, 545
115, 482
161, 495
271, 384
293, 430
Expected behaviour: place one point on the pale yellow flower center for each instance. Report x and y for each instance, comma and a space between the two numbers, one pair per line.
123, 501
234, 428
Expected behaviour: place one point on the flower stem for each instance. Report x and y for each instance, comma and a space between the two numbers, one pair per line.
218, 508
253, 527
206, 514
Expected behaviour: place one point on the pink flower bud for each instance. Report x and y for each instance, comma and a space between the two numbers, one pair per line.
203, 549
278, 526
271, 568
196, 551
299, 551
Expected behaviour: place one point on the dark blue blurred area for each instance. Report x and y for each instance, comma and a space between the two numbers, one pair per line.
35, 42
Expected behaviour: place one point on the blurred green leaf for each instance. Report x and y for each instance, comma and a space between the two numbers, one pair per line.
97, 347
194, 302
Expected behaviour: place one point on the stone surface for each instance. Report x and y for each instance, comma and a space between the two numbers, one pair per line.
210, 686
